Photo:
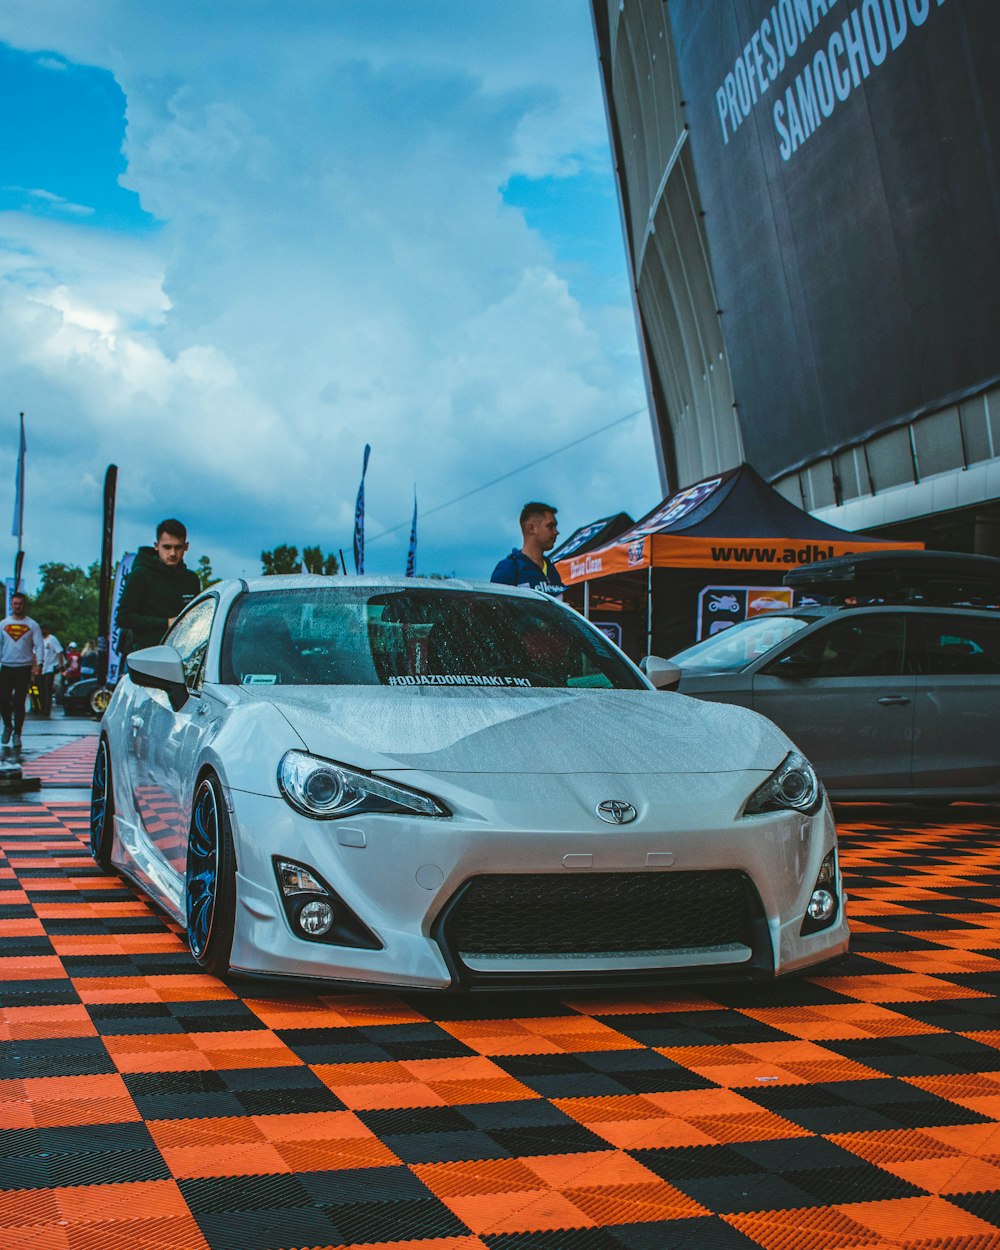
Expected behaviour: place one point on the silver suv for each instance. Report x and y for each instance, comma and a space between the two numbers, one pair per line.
890, 700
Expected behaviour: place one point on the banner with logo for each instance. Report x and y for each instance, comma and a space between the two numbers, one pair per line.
811, 265
676, 551
115, 642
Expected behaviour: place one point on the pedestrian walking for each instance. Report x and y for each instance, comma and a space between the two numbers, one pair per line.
21, 651
53, 660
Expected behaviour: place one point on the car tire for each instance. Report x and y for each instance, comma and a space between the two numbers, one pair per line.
210, 884
102, 807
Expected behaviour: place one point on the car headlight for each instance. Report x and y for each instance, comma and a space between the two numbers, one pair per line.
792, 787
326, 790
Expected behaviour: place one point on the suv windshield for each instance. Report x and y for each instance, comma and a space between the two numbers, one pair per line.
358, 637
740, 645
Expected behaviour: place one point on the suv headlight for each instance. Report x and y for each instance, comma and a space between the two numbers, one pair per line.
792, 787
326, 790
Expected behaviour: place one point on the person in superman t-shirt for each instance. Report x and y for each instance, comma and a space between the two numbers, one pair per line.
21, 649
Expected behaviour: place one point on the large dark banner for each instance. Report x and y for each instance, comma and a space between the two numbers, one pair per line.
846, 156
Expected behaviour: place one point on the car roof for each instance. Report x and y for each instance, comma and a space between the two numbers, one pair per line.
946, 578
819, 610
305, 581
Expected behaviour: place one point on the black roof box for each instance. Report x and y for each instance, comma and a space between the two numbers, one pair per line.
940, 577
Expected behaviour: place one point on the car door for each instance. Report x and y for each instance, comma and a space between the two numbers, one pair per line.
956, 658
842, 696
169, 741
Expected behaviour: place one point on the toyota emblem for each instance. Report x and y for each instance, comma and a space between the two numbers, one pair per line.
615, 812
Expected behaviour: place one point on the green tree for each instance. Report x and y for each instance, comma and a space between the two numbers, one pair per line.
283, 559
67, 601
204, 571
316, 562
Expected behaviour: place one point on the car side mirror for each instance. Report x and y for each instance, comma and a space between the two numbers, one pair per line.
794, 665
664, 674
160, 668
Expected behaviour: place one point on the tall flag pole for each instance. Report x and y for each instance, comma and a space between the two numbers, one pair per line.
17, 528
104, 597
359, 518
411, 555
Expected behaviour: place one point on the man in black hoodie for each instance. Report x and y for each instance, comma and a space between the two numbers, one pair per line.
158, 586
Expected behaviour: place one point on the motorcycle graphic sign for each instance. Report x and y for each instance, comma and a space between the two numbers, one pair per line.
721, 607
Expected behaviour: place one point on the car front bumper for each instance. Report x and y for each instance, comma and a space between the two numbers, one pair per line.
403, 877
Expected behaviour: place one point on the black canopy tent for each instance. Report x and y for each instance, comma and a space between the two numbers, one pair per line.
593, 535
731, 530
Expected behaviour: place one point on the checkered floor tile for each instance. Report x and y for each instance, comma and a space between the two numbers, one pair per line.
146, 1105
69, 765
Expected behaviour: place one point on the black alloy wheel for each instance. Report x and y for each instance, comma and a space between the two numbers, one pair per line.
102, 807
210, 886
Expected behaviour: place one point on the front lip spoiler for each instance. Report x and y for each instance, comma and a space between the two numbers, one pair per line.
544, 983
540, 982
335, 983
738, 975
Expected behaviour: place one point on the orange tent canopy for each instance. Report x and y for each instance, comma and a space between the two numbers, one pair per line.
733, 520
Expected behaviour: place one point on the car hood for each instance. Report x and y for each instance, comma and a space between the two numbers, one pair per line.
531, 731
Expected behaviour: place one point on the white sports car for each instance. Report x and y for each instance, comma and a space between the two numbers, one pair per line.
448, 785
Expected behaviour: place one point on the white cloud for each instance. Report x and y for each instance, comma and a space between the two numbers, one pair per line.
335, 266
56, 203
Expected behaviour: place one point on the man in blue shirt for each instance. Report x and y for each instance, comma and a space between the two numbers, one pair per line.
529, 567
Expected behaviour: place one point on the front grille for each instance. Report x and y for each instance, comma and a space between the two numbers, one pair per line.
599, 913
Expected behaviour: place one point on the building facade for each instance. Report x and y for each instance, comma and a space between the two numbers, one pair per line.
810, 197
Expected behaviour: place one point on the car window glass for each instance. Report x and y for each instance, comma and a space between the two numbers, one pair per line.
739, 645
851, 646
956, 646
353, 636
189, 637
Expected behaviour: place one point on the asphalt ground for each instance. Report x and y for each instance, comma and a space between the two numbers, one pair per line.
145, 1105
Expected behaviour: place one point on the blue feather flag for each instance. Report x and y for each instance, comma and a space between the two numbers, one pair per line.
18, 527
411, 555
359, 518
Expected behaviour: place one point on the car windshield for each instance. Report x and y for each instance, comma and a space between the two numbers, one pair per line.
354, 636
739, 645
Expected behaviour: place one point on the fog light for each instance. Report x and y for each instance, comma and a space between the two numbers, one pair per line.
316, 918
821, 906
824, 902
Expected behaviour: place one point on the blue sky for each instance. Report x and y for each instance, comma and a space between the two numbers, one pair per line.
63, 127
239, 241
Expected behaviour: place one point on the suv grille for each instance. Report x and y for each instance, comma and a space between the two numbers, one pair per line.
599, 913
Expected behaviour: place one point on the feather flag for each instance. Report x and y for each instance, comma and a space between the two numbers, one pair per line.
18, 527
359, 518
411, 555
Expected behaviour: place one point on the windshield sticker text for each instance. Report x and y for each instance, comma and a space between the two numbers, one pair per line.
457, 679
